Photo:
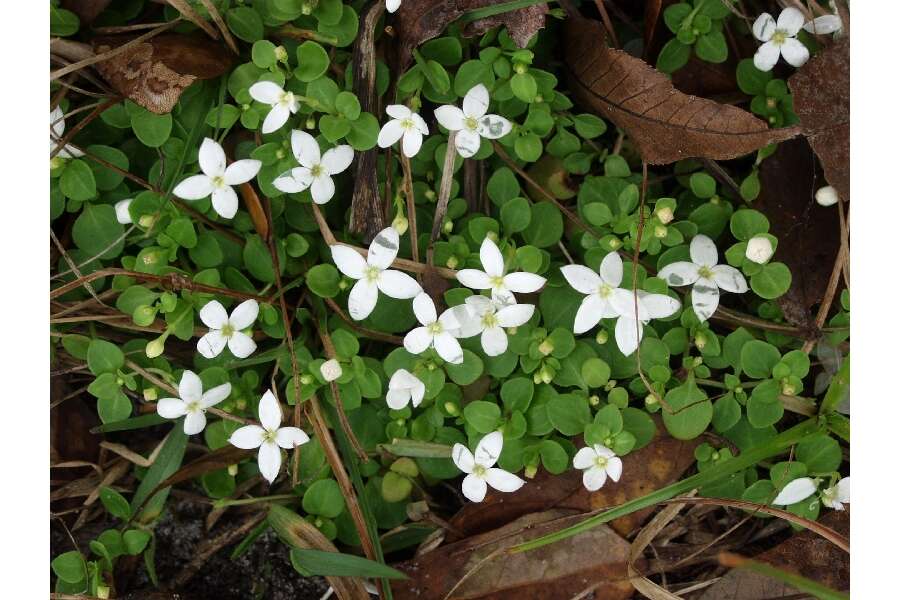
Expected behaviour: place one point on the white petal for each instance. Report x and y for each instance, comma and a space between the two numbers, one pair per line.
247, 437
448, 348
171, 408
267, 92
195, 187
276, 118
474, 488
703, 251
475, 279
589, 313
241, 344
211, 344
417, 393
398, 399
524, 282
57, 122
122, 214
290, 437
764, 27
493, 127
503, 481
795, 491
419, 123
392, 5
398, 111
515, 315
476, 101
242, 171
225, 202
244, 314
581, 278
214, 315
704, 298
289, 185
766, 56
212, 158
337, 159
491, 258
614, 467
450, 117
824, 25
412, 143
795, 52
467, 143
462, 458
383, 249
362, 299
423, 307
449, 321
611, 269
469, 319
680, 273
70, 151
417, 341
729, 279
348, 261
658, 306
593, 478
269, 411
190, 388
494, 341
843, 489
194, 422
305, 148
398, 285
322, 189
488, 449
215, 395
390, 134
628, 335
269, 461
790, 20
584, 458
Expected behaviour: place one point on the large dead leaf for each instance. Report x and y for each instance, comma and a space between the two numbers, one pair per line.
154, 73
478, 567
821, 90
419, 21
665, 124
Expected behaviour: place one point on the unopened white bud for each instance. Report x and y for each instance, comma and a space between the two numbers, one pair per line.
826, 196
759, 249
665, 215
331, 370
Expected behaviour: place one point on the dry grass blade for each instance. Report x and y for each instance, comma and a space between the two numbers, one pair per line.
188, 12
220, 23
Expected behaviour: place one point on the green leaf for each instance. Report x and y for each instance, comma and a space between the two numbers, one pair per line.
312, 61
245, 23
466, 372
151, 129
70, 566
135, 541
97, 231
516, 393
772, 281
484, 417
821, 454
323, 280
524, 86
746, 223
691, 411
764, 407
515, 215
589, 126
77, 181
712, 47
503, 186
703, 185
104, 357
758, 358
63, 23
115, 503
751, 80
569, 413
333, 564
167, 462
554, 457
106, 178
258, 260
546, 227
595, 372
324, 498
673, 56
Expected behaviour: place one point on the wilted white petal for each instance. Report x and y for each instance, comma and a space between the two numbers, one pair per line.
211, 344
362, 299
766, 56
476, 101
827, 196
680, 273
397, 284
730, 279
703, 251
467, 143
795, 491
493, 127
488, 449
331, 370
614, 467
383, 249
790, 20
474, 488
337, 159
462, 458
195, 187
824, 25
171, 408
795, 52
759, 250
290, 437
348, 261
212, 158
247, 437
764, 27
122, 214
269, 411
57, 122
269, 461
503, 481
225, 202
450, 117
594, 478
843, 489
704, 298
412, 143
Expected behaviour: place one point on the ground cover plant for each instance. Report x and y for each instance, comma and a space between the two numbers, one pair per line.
418, 297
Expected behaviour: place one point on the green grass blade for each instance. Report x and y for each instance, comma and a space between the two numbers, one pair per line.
499, 9
800, 583
167, 462
309, 562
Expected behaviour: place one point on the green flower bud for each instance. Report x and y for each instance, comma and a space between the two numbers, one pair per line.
546, 347
452, 262
594, 400
156, 347
602, 337
700, 341
150, 394
520, 68
147, 221
281, 54
660, 231
451, 408
430, 195
232, 470
448, 226
400, 223
665, 215
530, 471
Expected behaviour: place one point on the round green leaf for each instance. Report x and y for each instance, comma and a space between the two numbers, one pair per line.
77, 181
758, 358
324, 498
690, 411
772, 281
312, 61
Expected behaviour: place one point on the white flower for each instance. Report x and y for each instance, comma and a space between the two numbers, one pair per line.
315, 168
480, 470
283, 104
482, 315
780, 39
217, 179
372, 273
471, 123
706, 275
630, 324
403, 388
599, 289
795, 491
392, 5
837, 495
57, 128
827, 196
759, 249
439, 333
270, 438
192, 403
494, 278
227, 330
406, 124
122, 214
597, 462
331, 370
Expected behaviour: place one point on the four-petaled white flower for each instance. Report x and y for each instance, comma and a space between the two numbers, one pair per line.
759, 249
439, 333
316, 169
634, 315
494, 276
225, 330
599, 289
122, 214
403, 388
404, 124
331, 370
392, 5
270, 438
706, 275
480, 470
57, 129
372, 273
482, 315
192, 403
283, 104
597, 462
471, 123
837, 495
217, 179
779, 39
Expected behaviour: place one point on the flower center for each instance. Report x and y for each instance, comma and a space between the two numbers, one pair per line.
317, 171
780, 37
479, 471
497, 281
489, 320
601, 462
287, 99
604, 291
705, 272
371, 274
407, 124
829, 494
218, 181
194, 407
227, 330
470, 123
436, 328
269, 436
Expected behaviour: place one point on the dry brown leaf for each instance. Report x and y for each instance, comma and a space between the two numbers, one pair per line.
665, 124
419, 21
821, 90
187, 11
154, 73
478, 567
256, 210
